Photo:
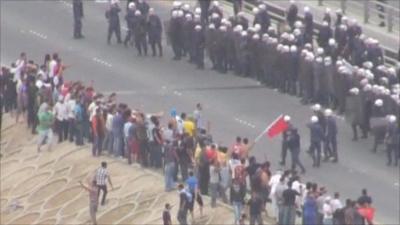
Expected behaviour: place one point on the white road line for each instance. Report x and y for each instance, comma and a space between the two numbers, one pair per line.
177, 93
101, 1
100, 61
246, 123
68, 4
37, 34
124, 28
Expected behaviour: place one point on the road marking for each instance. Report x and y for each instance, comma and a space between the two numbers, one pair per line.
124, 28
177, 93
37, 34
68, 4
244, 122
396, 184
101, 1
101, 62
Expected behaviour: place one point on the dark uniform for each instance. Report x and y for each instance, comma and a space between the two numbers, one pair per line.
114, 26
130, 17
392, 143
139, 32
204, 6
291, 15
199, 45
316, 138
77, 6
330, 148
154, 31
237, 6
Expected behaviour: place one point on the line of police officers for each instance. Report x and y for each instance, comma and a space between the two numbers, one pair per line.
342, 71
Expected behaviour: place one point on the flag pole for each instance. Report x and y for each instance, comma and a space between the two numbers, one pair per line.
266, 129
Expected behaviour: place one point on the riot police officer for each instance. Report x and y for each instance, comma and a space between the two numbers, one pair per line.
77, 6
154, 32
114, 26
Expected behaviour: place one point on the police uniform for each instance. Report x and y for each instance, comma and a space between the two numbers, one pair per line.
77, 6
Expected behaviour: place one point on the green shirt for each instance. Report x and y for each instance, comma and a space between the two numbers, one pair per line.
45, 121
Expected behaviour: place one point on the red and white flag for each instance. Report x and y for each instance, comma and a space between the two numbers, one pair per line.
278, 126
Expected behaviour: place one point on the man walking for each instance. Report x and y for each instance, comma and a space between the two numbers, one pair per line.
77, 6
316, 137
46, 120
112, 15
101, 179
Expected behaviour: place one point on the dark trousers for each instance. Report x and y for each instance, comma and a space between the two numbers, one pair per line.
62, 130
71, 130
144, 153
114, 29
256, 219
177, 48
128, 37
154, 45
77, 27
141, 45
330, 148
199, 57
284, 153
315, 150
79, 133
296, 160
184, 167
204, 179
392, 152
104, 189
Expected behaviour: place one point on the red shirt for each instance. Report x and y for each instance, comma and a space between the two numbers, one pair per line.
211, 154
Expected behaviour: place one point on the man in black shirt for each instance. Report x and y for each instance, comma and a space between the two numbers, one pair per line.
364, 198
289, 205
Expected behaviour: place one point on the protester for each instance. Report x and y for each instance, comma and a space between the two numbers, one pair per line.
93, 199
101, 178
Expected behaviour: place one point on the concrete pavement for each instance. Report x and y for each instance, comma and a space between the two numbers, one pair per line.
234, 105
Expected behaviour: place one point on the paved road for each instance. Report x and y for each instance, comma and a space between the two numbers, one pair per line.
236, 106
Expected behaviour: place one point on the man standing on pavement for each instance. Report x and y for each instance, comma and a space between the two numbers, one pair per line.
316, 138
183, 205
112, 15
77, 6
154, 30
101, 179
330, 148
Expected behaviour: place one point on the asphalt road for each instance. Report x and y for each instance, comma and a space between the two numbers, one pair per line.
234, 105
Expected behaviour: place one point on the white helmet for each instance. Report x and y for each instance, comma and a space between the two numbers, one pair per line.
314, 119
211, 26
378, 102
354, 91
306, 9
197, 27
131, 5
331, 41
255, 10
328, 112
286, 118
293, 48
391, 118
186, 7
197, 10
316, 107
215, 3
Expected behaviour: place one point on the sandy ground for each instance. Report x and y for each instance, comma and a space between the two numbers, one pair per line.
46, 186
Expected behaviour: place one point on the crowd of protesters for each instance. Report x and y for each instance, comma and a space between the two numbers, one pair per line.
38, 94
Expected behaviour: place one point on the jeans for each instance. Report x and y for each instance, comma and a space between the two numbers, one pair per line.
214, 194
62, 130
315, 149
104, 189
289, 215
169, 176
256, 218
78, 133
108, 142
118, 145
97, 146
296, 160
237, 209
327, 222
71, 129
182, 217
184, 167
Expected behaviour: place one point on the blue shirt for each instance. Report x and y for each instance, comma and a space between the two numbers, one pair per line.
192, 183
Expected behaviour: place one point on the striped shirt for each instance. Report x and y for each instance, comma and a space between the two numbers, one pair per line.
101, 176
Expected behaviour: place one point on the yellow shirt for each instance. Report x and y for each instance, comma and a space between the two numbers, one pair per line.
188, 127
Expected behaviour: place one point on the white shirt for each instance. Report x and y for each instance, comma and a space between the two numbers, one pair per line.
19, 65
327, 211
52, 68
273, 182
92, 110
199, 119
336, 204
179, 125
110, 118
60, 111
70, 108
233, 163
168, 134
